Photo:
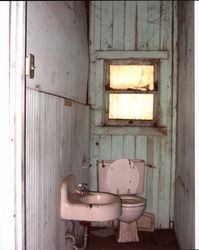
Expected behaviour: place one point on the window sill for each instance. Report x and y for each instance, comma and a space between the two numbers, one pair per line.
116, 130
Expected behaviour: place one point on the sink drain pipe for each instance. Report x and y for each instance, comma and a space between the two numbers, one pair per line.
85, 225
73, 241
85, 236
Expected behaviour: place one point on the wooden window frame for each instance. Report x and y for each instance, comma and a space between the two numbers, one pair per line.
108, 90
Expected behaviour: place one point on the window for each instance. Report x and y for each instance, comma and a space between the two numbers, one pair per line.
131, 92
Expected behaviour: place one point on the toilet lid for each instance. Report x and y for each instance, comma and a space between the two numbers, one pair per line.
132, 200
123, 177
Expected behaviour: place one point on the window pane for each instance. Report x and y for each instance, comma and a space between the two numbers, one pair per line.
135, 77
131, 106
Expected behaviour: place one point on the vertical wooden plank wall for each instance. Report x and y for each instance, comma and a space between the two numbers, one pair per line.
185, 173
134, 26
56, 144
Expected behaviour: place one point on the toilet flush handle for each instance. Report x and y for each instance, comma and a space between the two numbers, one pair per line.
131, 164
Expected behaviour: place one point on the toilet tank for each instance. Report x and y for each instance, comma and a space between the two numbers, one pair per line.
121, 176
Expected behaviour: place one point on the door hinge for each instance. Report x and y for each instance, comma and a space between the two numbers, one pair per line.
30, 66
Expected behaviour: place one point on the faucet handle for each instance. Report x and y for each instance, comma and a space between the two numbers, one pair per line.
82, 186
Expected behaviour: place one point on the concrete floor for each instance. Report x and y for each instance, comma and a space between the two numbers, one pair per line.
163, 239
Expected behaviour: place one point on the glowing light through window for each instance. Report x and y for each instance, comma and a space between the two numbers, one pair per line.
135, 77
131, 106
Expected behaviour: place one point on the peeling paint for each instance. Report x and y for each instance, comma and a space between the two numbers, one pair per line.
141, 26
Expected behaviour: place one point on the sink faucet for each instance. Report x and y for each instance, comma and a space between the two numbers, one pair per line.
82, 188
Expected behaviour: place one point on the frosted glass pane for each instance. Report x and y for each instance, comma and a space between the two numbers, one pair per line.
131, 106
136, 77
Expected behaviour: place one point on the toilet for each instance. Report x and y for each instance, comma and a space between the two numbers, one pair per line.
126, 179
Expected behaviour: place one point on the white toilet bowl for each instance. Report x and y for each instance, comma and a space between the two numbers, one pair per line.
132, 208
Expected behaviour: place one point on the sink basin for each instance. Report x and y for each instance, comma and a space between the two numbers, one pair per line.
89, 206
97, 198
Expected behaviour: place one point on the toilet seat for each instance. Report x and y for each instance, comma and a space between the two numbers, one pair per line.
132, 200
